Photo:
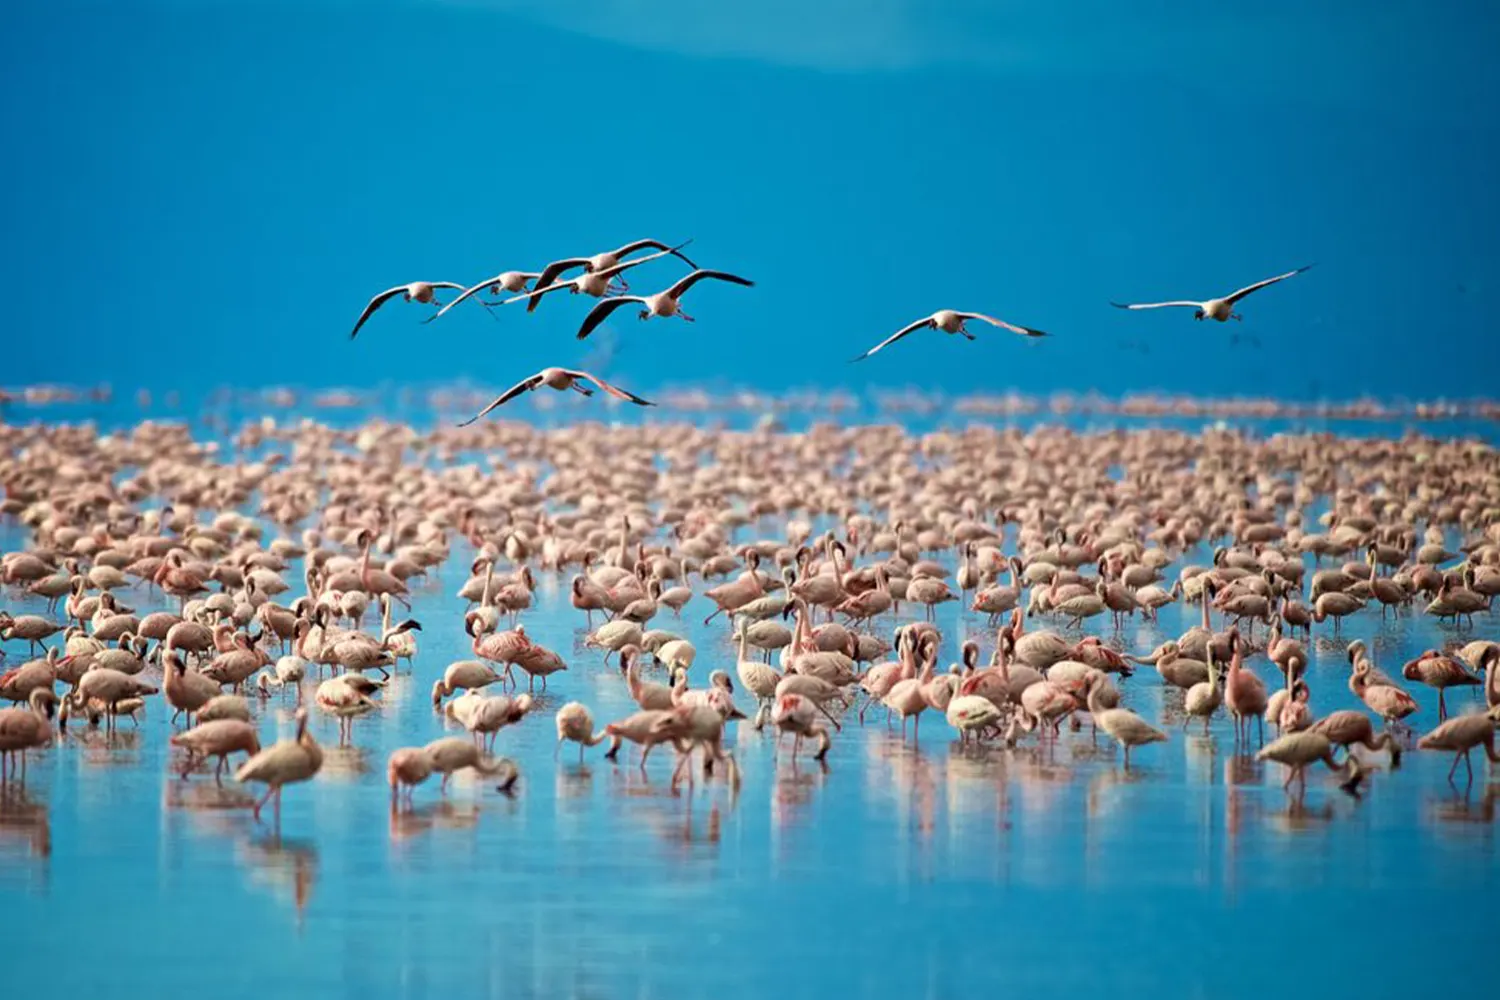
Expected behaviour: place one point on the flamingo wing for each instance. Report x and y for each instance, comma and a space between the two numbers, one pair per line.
463, 295
1024, 331
537, 291
919, 324
601, 312
613, 390
683, 284
1157, 305
375, 303
551, 272
1262, 284
630, 248
626, 265
525, 385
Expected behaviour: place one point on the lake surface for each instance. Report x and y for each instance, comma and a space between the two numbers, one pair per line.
901, 868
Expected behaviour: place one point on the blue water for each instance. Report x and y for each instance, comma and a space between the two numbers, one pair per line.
901, 869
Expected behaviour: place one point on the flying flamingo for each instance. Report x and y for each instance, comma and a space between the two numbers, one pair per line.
950, 321
1219, 309
561, 379
418, 291
606, 260
665, 303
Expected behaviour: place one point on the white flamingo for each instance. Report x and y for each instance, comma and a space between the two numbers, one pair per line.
1219, 309
950, 321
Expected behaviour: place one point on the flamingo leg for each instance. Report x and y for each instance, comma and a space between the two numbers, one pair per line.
261, 802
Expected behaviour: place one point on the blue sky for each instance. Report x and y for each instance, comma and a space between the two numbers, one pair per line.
207, 191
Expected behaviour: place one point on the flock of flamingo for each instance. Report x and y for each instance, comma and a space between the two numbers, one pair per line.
158, 570
601, 276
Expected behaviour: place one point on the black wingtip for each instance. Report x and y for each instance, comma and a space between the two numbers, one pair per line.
1119, 305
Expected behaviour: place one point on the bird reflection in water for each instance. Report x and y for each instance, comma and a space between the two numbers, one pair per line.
1106, 789
345, 763
797, 782
1040, 779
408, 823
105, 748
574, 782
668, 809
288, 867
1201, 753
200, 796
1461, 807
24, 821
974, 772
1299, 817
1241, 770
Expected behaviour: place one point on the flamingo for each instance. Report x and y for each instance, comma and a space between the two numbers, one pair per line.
606, 260
797, 715
283, 763
22, 729
664, 303
1299, 750
1216, 309
424, 292
561, 379
216, 738
1461, 734
950, 321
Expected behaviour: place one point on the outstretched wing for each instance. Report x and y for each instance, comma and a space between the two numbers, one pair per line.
613, 390
601, 312
465, 294
894, 337
525, 385
626, 265
537, 291
375, 303
1024, 331
1156, 305
1262, 284
683, 284
551, 273
656, 245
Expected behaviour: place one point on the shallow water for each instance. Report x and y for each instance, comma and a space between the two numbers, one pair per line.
910, 868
